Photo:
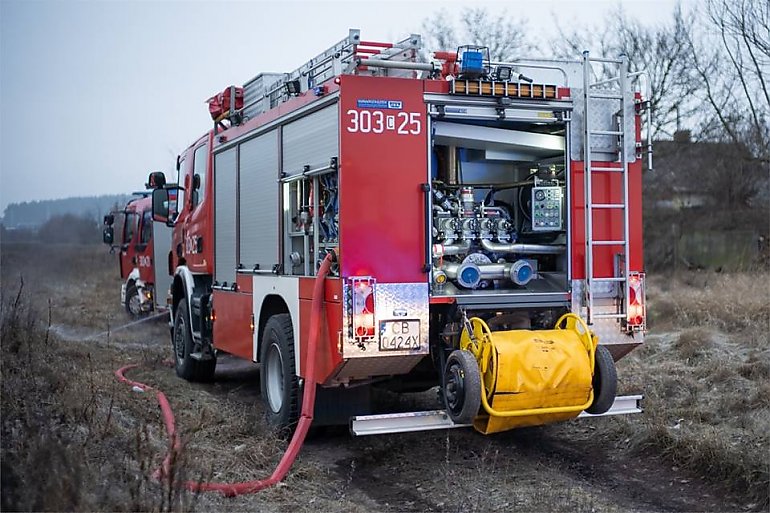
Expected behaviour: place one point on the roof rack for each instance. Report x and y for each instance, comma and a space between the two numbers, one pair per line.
267, 90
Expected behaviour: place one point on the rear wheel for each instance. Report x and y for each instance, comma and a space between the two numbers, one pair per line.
186, 366
605, 382
278, 376
462, 387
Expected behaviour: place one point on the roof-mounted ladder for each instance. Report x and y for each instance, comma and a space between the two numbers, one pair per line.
624, 99
267, 90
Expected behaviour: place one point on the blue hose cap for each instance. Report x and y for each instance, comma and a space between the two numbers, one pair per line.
522, 272
469, 276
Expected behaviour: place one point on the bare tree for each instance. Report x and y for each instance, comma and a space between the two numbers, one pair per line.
729, 55
503, 34
659, 50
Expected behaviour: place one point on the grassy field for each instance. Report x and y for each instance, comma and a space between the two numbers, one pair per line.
73, 438
705, 371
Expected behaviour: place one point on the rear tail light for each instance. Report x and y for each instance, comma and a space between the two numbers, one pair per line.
362, 305
636, 307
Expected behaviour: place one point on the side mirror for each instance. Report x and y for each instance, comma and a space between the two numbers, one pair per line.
109, 220
108, 235
164, 204
156, 180
160, 207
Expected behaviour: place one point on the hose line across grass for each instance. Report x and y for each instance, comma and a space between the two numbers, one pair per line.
306, 416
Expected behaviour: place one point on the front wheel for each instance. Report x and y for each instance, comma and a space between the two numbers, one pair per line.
186, 366
133, 302
278, 376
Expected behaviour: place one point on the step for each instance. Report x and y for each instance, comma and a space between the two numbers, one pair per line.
608, 316
606, 132
606, 96
364, 425
605, 82
608, 205
619, 278
623, 405
606, 169
608, 242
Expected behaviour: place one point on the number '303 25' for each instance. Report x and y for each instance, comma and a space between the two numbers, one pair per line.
377, 122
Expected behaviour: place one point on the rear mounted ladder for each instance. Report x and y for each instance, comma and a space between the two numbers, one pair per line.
625, 102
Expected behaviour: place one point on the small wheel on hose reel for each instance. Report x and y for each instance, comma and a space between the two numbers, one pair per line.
605, 382
462, 387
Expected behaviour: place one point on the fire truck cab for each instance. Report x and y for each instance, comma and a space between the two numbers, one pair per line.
483, 218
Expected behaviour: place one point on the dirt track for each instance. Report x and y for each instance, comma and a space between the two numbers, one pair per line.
581, 465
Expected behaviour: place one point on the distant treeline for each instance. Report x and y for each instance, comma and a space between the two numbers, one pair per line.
65, 228
33, 214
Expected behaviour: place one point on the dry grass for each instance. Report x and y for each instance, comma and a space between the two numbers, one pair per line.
66, 442
705, 372
75, 439
729, 302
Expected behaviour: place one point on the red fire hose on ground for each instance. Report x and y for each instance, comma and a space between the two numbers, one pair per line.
306, 416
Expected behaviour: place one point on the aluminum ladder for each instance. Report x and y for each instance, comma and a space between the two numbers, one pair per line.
625, 103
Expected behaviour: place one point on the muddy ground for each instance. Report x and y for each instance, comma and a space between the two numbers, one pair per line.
112, 437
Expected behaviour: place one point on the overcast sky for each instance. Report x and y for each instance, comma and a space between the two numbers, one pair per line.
95, 94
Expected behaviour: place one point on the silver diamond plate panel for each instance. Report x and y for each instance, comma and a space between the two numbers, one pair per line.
373, 366
609, 331
392, 302
602, 118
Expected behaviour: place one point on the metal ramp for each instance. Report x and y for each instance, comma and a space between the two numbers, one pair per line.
364, 425
616, 91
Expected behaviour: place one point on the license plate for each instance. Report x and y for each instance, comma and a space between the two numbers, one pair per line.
399, 335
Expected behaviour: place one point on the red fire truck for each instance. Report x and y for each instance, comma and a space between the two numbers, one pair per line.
141, 240
482, 219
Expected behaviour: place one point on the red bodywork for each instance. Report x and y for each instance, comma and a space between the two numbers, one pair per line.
608, 224
381, 211
382, 203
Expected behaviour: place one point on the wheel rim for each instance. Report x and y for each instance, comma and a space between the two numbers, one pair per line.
134, 306
454, 388
179, 339
274, 378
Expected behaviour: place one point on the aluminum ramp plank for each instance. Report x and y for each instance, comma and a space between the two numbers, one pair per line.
364, 425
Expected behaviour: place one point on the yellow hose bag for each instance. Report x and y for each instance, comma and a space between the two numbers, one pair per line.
531, 378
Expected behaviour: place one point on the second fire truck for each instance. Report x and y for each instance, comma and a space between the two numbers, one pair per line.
482, 221
143, 253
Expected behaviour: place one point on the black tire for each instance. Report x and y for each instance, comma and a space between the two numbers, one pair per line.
186, 366
462, 387
605, 382
278, 376
133, 304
